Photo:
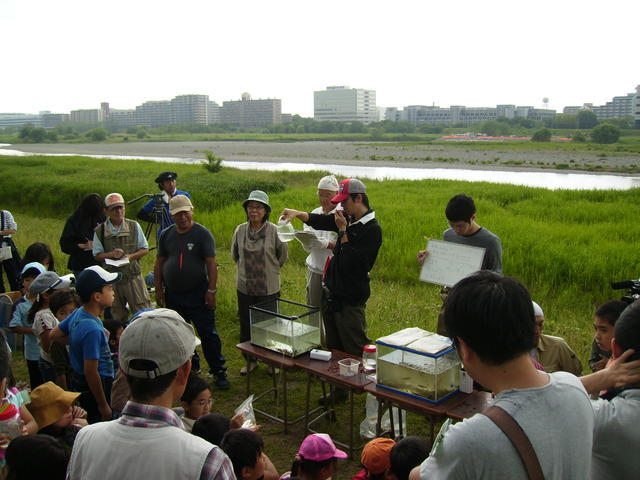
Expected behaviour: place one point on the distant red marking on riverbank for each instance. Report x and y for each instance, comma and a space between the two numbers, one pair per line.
485, 138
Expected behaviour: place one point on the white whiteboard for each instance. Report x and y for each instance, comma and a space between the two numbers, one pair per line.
448, 263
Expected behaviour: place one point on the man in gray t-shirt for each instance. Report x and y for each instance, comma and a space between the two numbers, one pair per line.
185, 276
491, 321
461, 214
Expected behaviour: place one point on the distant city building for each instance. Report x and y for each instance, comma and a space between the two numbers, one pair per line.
123, 118
460, 114
572, 110
190, 109
252, 113
637, 112
344, 104
506, 111
19, 120
392, 114
286, 117
89, 116
215, 112
618, 107
154, 113
52, 120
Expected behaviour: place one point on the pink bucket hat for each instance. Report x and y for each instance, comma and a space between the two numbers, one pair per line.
318, 447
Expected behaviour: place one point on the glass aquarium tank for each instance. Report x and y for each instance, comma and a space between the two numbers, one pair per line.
285, 327
418, 363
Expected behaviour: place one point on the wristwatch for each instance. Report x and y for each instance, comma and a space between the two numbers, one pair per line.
212, 291
341, 233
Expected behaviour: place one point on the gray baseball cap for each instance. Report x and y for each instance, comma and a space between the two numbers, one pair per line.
45, 281
156, 342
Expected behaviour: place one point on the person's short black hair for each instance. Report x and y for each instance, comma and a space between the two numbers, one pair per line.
407, 454
242, 446
493, 314
365, 199
62, 297
5, 358
610, 311
627, 330
212, 427
51, 454
146, 389
310, 467
32, 272
195, 385
85, 297
460, 208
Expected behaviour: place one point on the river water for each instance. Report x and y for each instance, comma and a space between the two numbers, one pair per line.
530, 178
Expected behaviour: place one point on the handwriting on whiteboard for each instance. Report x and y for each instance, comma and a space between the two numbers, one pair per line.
448, 263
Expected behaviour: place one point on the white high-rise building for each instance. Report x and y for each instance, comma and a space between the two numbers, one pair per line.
344, 104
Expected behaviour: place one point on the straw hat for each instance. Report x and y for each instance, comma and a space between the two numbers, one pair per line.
49, 403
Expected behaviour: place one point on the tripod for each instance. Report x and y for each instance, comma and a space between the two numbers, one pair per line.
153, 219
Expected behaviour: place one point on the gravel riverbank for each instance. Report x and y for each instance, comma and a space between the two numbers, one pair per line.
348, 153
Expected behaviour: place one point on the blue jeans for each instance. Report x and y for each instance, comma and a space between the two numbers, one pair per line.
192, 307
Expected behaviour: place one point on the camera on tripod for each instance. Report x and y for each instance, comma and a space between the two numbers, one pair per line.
154, 218
633, 290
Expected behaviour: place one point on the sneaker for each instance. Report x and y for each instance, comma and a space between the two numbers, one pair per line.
252, 367
221, 382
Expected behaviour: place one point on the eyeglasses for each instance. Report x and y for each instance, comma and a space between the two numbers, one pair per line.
204, 403
255, 207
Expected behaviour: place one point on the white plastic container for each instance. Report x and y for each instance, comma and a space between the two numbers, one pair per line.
349, 367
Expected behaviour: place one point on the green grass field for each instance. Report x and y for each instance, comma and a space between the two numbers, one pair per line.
565, 246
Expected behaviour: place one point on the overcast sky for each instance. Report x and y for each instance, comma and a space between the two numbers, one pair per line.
73, 54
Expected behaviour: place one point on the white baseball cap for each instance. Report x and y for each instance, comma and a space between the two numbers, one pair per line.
329, 182
537, 310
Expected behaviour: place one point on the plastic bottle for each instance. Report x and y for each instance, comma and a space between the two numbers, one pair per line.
286, 232
369, 358
10, 422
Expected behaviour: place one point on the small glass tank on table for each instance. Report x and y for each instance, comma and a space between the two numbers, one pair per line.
418, 363
285, 327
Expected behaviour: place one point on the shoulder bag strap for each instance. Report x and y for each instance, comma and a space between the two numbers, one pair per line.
519, 439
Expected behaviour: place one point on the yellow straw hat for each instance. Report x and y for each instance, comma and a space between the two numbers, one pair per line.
49, 403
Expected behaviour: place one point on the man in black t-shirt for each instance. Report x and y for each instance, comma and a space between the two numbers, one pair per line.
185, 276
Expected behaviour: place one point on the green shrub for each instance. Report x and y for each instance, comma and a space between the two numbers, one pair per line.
578, 137
605, 133
213, 163
97, 134
542, 135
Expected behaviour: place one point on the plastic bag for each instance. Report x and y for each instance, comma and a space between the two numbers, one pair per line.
249, 416
368, 425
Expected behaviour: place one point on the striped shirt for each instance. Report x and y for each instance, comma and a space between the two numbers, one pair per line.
8, 222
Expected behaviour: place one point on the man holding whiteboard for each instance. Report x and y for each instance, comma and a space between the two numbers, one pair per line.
461, 214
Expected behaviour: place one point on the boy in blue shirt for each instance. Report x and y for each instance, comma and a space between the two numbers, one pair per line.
20, 324
92, 368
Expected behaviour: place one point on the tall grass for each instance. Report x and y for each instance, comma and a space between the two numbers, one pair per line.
565, 246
